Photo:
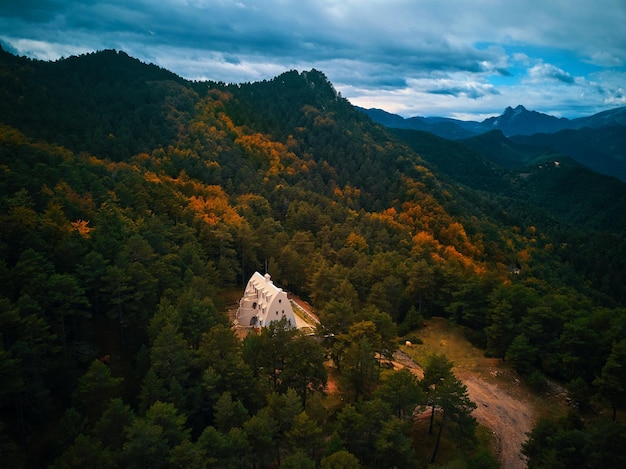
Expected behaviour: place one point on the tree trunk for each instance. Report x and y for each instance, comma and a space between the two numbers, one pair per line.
436, 450
432, 419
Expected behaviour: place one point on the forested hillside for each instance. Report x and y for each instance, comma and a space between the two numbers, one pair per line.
133, 201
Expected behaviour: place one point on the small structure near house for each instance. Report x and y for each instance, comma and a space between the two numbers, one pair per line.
514, 269
263, 302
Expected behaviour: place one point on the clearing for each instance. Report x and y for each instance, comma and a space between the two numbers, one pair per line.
505, 405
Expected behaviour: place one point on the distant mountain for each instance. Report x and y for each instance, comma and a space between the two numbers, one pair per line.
388, 119
521, 121
571, 192
452, 129
519, 137
553, 184
504, 151
602, 149
610, 118
514, 121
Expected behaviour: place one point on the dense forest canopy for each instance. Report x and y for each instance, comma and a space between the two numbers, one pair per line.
132, 200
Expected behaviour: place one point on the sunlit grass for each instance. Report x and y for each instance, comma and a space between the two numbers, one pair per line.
440, 336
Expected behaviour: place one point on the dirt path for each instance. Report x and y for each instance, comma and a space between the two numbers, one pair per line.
508, 418
505, 415
504, 404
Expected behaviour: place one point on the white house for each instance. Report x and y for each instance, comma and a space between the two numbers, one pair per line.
263, 302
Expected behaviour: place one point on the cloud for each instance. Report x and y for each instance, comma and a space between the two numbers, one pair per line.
305, 31
42, 50
462, 88
401, 49
606, 59
544, 71
522, 58
609, 86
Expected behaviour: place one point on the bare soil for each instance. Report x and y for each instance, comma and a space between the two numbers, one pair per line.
504, 404
508, 418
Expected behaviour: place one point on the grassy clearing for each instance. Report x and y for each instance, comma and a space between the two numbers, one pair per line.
442, 337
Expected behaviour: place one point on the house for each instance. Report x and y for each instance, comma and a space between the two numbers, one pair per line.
263, 302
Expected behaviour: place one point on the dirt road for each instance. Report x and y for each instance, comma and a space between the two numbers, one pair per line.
505, 415
508, 418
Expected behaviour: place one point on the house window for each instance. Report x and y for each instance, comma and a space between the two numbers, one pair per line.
280, 300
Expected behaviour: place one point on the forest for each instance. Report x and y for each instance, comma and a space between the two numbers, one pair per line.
135, 205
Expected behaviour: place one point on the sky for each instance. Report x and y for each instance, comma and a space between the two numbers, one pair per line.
466, 59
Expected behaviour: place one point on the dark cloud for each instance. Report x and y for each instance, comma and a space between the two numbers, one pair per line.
307, 33
363, 46
37, 11
472, 91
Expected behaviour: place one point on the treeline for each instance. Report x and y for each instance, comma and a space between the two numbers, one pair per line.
122, 230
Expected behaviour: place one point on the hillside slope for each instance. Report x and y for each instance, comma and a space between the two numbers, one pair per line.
132, 199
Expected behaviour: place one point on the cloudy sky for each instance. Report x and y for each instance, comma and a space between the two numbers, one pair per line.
467, 59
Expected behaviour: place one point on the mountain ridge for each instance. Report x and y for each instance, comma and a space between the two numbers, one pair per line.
513, 121
597, 141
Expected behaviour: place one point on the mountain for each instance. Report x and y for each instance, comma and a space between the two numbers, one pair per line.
390, 120
597, 141
505, 151
513, 121
135, 205
602, 149
83, 102
554, 184
452, 129
520, 121
611, 118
